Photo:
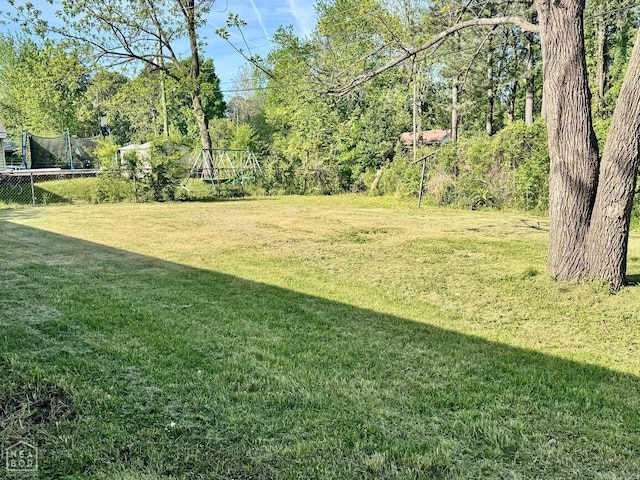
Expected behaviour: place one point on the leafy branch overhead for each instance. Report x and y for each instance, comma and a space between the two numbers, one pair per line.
432, 46
235, 22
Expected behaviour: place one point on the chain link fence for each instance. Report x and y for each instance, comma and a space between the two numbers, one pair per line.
29, 187
42, 187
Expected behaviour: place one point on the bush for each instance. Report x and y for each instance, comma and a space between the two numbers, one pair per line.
292, 177
400, 178
510, 169
105, 153
155, 175
113, 186
166, 172
526, 153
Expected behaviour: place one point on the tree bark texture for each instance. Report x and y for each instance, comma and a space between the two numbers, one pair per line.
512, 99
573, 149
609, 231
163, 89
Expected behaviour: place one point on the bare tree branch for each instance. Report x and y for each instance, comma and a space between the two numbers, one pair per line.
475, 55
435, 41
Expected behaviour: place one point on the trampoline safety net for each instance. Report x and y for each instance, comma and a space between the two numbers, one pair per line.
61, 151
81, 149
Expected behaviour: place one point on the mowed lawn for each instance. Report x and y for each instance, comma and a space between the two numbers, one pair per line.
310, 337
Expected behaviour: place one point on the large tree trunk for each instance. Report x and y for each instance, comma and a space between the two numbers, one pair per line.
573, 148
205, 137
188, 8
609, 233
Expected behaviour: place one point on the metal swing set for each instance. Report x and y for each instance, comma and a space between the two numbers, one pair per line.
224, 166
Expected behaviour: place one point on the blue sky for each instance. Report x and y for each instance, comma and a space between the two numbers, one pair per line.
263, 18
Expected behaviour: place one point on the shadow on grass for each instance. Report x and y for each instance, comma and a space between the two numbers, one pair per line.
20, 194
633, 279
177, 372
215, 198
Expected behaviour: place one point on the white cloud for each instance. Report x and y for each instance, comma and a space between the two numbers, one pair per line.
259, 17
304, 15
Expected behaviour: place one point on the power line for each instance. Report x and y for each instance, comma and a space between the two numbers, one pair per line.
614, 10
252, 89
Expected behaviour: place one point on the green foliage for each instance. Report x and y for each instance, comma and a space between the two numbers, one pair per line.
525, 152
244, 138
612, 25
222, 132
333, 139
105, 153
112, 186
289, 177
41, 86
601, 128
166, 172
97, 106
154, 175
182, 119
133, 112
400, 178
317, 142
510, 169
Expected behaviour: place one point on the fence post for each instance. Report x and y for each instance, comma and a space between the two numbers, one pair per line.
24, 138
33, 193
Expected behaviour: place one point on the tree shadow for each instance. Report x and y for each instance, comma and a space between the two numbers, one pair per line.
188, 373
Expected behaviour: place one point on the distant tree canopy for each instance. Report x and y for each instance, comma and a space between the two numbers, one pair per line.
41, 86
46, 89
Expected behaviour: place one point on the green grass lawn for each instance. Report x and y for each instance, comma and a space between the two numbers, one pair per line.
310, 337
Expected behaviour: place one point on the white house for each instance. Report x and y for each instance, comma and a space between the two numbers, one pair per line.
3, 136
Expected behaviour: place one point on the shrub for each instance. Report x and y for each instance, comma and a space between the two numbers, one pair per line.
292, 177
441, 186
166, 171
400, 178
525, 152
113, 186
510, 169
155, 175
105, 153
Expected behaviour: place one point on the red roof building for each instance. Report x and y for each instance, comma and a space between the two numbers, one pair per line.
428, 137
